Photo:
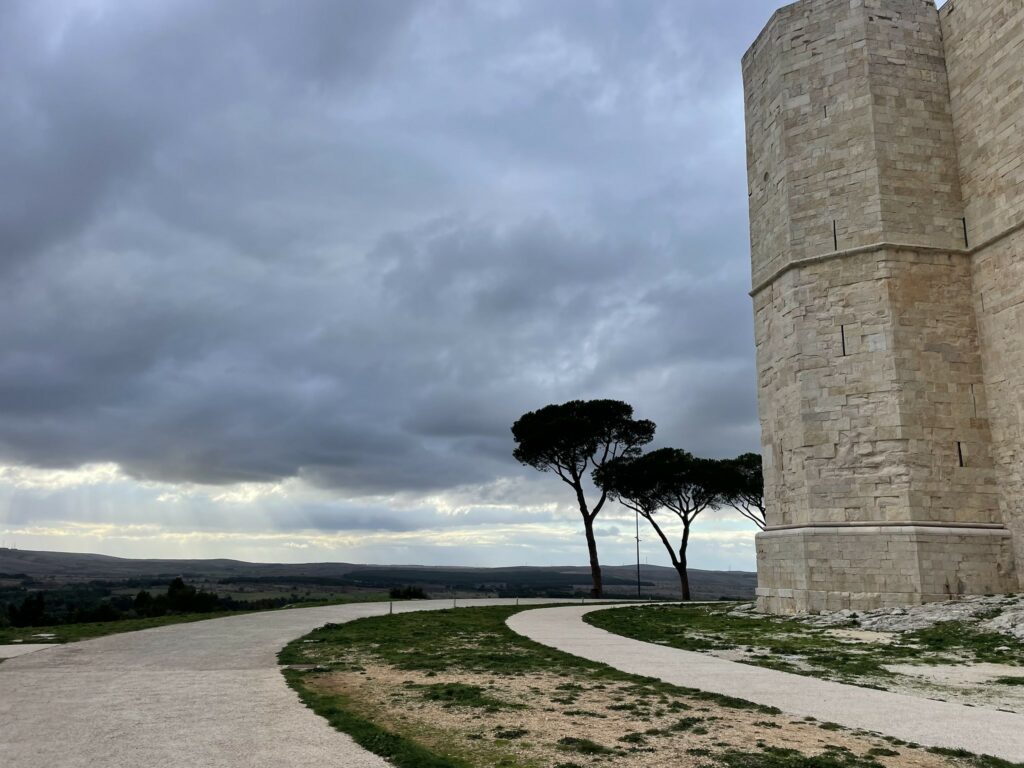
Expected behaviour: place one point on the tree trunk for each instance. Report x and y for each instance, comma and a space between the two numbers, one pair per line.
684, 577
588, 526
595, 566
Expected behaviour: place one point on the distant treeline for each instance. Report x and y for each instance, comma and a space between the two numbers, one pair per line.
513, 581
77, 604
504, 583
318, 581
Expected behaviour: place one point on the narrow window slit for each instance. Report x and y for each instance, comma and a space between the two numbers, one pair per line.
835, 236
842, 338
967, 243
826, 110
960, 452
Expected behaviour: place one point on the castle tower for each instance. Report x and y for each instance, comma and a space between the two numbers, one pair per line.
880, 478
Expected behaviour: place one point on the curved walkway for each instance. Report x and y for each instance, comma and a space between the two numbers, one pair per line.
207, 694
932, 723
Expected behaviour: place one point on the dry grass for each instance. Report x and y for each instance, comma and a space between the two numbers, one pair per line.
637, 726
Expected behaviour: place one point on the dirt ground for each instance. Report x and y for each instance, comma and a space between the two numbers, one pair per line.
624, 724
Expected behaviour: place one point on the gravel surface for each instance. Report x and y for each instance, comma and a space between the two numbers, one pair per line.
932, 723
207, 694
20, 649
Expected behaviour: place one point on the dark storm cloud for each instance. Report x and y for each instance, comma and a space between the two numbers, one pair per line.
351, 242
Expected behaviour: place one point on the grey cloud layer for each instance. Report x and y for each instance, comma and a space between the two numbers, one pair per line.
352, 241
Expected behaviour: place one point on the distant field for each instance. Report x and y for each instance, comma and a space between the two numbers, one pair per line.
234, 576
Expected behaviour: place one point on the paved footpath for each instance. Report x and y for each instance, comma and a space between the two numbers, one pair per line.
932, 723
207, 694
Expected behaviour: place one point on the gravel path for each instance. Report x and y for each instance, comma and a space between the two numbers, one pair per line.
20, 649
201, 695
932, 723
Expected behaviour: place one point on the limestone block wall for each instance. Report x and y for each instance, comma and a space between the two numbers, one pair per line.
848, 119
943, 406
875, 348
984, 51
814, 80
999, 298
914, 145
872, 401
984, 47
813, 569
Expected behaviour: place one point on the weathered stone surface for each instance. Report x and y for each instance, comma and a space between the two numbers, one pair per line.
886, 200
990, 613
816, 569
984, 46
1009, 622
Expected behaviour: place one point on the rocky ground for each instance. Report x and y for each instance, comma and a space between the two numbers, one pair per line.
1003, 614
974, 671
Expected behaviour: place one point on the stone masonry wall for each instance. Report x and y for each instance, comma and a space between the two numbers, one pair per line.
847, 121
861, 568
984, 48
999, 299
914, 146
984, 44
871, 392
873, 402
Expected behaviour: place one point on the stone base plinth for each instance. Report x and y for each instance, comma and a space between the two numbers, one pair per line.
861, 567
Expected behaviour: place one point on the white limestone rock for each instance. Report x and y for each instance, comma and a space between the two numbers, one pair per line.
995, 614
1009, 622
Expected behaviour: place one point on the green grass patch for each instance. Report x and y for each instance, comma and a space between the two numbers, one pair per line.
976, 761
462, 695
1009, 680
778, 757
510, 733
957, 637
791, 646
583, 746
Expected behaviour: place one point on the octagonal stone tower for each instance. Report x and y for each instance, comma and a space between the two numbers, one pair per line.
882, 481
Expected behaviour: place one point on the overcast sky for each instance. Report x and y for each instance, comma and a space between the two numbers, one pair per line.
276, 278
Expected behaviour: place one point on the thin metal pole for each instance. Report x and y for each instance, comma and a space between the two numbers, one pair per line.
637, 513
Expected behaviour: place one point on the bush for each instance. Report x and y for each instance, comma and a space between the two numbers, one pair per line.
407, 593
32, 612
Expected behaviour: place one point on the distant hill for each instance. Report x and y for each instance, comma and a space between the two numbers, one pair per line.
68, 568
